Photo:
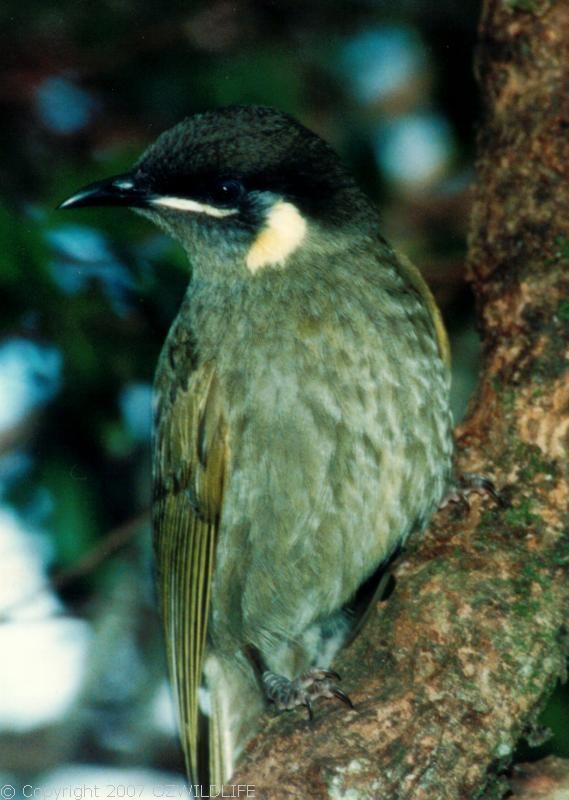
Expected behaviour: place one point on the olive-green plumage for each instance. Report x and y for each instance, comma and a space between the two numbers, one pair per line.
302, 424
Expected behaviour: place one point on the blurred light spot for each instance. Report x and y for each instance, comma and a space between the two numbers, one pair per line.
136, 408
41, 670
415, 148
163, 710
87, 780
44, 657
86, 258
126, 661
80, 243
30, 375
14, 465
62, 106
382, 61
24, 590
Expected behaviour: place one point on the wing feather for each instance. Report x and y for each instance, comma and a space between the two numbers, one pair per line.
189, 472
416, 280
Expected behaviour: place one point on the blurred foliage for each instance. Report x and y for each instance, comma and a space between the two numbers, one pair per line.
84, 87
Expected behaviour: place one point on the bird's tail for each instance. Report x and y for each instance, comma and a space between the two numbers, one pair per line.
231, 703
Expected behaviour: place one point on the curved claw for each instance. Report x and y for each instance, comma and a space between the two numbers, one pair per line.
342, 696
288, 694
472, 483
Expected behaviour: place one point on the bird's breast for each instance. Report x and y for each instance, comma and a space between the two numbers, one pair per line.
339, 439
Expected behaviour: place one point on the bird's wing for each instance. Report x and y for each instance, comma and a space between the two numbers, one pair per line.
416, 280
189, 470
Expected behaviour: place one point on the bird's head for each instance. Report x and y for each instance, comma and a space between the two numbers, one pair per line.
245, 185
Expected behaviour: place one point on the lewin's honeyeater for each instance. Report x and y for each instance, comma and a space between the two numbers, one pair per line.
302, 423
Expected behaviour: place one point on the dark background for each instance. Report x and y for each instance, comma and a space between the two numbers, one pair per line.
87, 299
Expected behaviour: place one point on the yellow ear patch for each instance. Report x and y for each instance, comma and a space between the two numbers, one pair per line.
283, 232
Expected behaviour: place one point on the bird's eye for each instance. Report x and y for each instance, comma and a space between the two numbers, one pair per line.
227, 191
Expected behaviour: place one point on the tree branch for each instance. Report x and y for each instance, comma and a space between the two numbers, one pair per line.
454, 668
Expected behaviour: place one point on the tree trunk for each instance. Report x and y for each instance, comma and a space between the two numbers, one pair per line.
456, 665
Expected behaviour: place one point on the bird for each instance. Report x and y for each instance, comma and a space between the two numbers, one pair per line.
302, 424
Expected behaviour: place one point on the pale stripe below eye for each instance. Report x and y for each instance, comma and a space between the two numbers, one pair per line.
185, 204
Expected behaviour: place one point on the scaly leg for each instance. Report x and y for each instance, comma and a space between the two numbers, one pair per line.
288, 694
471, 483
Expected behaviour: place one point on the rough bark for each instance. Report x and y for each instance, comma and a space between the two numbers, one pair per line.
456, 665
544, 780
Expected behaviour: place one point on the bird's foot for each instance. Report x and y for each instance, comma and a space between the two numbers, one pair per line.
471, 483
288, 694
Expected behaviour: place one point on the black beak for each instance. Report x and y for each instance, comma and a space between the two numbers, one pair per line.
122, 190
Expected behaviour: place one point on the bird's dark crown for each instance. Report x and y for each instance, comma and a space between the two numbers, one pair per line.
242, 185
213, 156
